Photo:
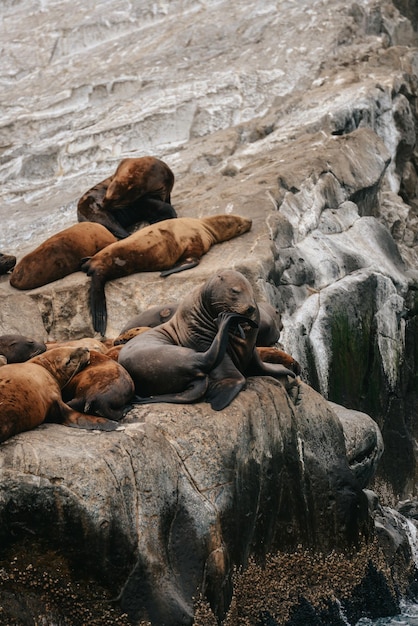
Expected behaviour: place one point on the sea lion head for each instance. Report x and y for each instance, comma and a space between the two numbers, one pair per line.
229, 290
63, 363
127, 184
224, 227
18, 348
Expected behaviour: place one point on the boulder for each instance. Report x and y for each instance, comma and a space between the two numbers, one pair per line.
166, 509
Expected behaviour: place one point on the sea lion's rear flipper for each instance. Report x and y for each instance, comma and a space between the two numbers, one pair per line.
187, 264
74, 419
221, 393
193, 393
98, 308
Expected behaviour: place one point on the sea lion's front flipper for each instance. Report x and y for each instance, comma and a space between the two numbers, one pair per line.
183, 265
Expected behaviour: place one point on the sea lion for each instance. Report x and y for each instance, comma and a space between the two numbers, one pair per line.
174, 372
31, 393
268, 334
161, 360
138, 191
121, 220
86, 342
130, 334
102, 388
171, 245
270, 325
153, 316
60, 255
271, 354
19, 348
113, 352
7, 262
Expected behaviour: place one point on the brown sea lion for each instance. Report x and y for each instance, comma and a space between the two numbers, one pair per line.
268, 334
7, 262
60, 255
129, 334
19, 348
31, 393
272, 354
162, 360
113, 352
171, 245
86, 342
120, 219
102, 388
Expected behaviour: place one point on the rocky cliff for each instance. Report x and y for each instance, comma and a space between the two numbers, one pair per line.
305, 121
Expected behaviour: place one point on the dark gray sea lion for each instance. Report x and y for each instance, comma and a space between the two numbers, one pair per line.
270, 325
268, 332
7, 262
31, 393
60, 255
139, 191
174, 372
19, 348
171, 245
160, 360
102, 388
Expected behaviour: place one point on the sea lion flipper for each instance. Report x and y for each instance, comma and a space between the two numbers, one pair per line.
221, 394
89, 422
194, 392
180, 267
98, 304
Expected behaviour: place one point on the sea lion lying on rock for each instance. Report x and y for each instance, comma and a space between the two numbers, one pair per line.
90, 343
31, 393
272, 354
173, 367
162, 361
19, 348
171, 245
7, 262
102, 388
60, 255
139, 191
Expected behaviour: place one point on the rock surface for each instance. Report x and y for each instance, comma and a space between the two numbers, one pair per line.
303, 120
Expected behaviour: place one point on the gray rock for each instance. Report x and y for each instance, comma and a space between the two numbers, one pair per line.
166, 508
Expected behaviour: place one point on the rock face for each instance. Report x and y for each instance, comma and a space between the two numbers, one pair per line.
304, 121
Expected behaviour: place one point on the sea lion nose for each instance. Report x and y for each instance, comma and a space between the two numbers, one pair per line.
250, 310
